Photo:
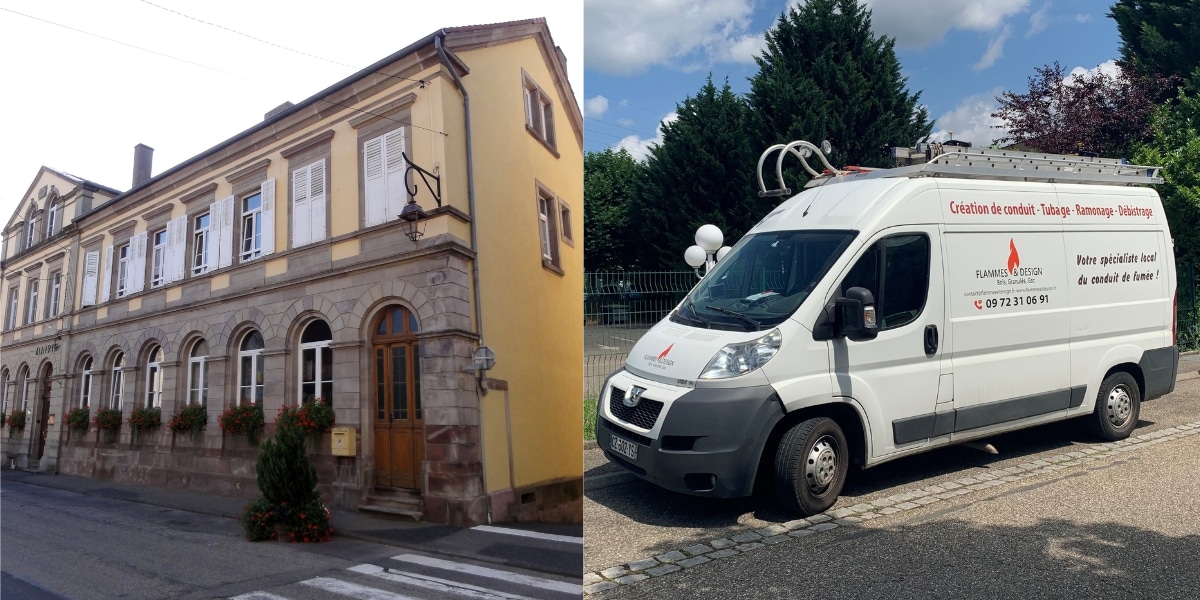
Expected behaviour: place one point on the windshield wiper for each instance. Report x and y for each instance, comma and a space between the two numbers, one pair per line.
692, 306
756, 324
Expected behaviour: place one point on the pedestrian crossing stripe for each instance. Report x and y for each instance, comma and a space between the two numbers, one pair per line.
352, 590
537, 582
568, 539
434, 583
258, 596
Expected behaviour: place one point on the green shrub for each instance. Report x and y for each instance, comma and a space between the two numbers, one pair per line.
258, 519
286, 476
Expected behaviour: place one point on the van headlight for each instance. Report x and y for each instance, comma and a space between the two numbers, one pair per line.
739, 359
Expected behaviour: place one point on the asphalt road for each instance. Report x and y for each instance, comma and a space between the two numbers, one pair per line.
1099, 523
60, 544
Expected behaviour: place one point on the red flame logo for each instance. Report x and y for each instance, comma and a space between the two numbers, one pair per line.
664, 352
1014, 259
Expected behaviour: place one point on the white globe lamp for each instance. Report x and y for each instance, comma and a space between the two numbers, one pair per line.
695, 256
709, 237
722, 252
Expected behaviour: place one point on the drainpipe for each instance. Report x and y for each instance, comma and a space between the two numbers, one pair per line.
480, 388
437, 44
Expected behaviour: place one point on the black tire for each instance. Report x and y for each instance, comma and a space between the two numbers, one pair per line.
810, 466
1118, 405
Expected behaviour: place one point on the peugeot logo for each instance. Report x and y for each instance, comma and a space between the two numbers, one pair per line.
633, 395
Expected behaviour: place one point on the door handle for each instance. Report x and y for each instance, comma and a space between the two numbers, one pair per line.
931, 340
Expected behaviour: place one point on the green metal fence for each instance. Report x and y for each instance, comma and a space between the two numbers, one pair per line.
618, 307
1187, 323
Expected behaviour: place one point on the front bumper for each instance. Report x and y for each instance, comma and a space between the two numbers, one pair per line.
708, 441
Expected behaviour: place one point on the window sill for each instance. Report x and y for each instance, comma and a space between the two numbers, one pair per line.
538, 136
550, 266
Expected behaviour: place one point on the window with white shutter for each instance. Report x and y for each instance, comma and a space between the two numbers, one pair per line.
14, 294
158, 258
202, 238
268, 217
106, 281
32, 302
176, 250
138, 277
308, 204
55, 293
122, 270
384, 168
223, 224
91, 267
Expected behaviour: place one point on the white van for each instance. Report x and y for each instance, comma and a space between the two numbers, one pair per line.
877, 315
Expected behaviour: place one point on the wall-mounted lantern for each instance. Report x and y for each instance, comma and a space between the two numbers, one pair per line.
414, 220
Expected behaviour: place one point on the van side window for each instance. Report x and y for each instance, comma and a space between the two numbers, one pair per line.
901, 288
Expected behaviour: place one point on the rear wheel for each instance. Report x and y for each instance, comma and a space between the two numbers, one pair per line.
1117, 407
810, 466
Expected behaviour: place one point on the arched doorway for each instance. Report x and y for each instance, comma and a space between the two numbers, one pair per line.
43, 413
396, 394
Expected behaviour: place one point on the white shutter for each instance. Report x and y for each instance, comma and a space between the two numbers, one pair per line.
300, 215
268, 216
176, 260
397, 187
316, 201
106, 282
91, 265
375, 182
222, 222
137, 264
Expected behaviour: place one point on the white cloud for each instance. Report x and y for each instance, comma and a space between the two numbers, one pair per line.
972, 120
995, 50
919, 23
1038, 21
595, 106
1108, 67
624, 122
1082, 18
639, 147
623, 37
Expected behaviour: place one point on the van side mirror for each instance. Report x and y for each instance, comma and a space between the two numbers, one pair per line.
855, 316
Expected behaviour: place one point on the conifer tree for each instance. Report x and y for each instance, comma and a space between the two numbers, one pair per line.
825, 76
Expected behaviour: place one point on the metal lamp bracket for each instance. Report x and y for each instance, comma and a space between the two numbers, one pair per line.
435, 188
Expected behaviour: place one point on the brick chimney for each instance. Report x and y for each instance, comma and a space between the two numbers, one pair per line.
143, 156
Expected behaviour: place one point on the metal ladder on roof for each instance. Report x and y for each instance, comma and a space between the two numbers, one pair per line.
968, 163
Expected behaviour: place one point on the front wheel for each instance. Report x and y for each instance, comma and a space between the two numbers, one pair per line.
1117, 407
810, 466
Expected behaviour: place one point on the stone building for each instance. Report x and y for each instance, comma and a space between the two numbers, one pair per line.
361, 247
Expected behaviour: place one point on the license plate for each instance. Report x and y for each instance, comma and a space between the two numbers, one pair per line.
625, 448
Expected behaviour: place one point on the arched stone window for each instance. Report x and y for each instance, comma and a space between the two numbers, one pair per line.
154, 378
4, 392
250, 369
85, 382
316, 363
198, 373
26, 386
117, 380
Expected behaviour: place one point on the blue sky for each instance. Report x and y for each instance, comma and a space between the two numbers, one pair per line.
642, 57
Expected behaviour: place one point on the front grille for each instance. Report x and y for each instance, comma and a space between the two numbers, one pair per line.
644, 415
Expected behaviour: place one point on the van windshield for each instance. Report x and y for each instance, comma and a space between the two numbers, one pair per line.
762, 280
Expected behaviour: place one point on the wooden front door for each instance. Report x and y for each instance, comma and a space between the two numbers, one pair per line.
398, 421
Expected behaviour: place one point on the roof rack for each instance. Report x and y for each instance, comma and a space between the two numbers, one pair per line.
969, 163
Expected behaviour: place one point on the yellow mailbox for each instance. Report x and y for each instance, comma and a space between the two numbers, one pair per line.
343, 441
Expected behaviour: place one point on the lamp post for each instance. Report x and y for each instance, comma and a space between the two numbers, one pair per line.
708, 249
414, 220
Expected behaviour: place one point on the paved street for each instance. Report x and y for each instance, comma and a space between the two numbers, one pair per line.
72, 537
1054, 514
